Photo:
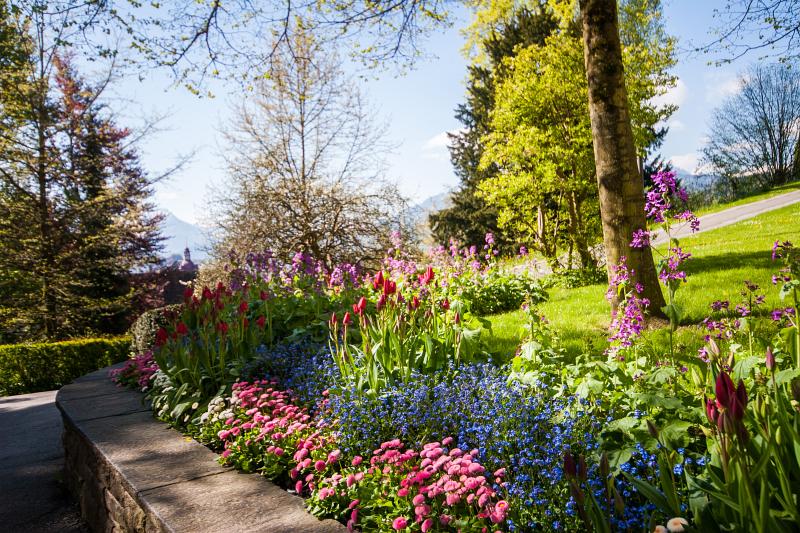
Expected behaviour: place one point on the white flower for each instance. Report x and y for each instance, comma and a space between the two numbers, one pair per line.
677, 525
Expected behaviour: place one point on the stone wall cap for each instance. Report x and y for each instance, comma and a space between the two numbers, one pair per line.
173, 478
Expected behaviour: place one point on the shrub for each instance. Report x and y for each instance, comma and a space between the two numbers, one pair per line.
572, 278
498, 292
28, 368
143, 331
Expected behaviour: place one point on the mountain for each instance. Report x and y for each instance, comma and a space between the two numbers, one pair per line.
180, 234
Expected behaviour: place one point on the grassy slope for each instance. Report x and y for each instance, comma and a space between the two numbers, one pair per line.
749, 199
722, 260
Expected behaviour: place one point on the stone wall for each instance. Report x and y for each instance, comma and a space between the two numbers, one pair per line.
130, 472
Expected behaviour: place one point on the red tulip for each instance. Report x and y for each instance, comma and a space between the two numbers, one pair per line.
427, 277
161, 337
181, 329
261, 321
263, 295
347, 320
207, 295
414, 303
222, 327
377, 283
457, 318
445, 304
569, 465
711, 411
724, 389
739, 403
360, 307
243, 307
187, 293
389, 287
333, 321
381, 302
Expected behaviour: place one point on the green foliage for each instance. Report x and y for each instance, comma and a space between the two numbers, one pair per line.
28, 368
406, 330
540, 138
143, 330
470, 217
75, 215
572, 278
497, 292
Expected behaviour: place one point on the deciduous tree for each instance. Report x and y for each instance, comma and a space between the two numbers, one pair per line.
305, 158
754, 133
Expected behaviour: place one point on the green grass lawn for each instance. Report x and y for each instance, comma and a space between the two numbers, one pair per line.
749, 199
722, 260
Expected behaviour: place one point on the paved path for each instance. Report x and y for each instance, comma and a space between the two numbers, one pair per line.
32, 499
736, 214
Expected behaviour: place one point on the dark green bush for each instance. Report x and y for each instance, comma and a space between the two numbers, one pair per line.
572, 278
28, 368
143, 331
501, 292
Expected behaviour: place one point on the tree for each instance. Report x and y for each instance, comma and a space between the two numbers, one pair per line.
74, 211
541, 137
754, 133
620, 186
471, 216
305, 165
770, 27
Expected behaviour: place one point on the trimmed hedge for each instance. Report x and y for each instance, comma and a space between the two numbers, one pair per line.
143, 331
28, 368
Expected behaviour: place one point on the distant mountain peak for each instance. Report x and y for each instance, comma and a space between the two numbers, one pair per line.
180, 234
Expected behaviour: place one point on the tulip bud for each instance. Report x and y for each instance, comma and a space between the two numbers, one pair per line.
770, 359
582, 470
347, 320
605, 469
740, 402
724, 389
569, 465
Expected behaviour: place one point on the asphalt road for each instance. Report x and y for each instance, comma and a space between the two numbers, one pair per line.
32, 498
733, 215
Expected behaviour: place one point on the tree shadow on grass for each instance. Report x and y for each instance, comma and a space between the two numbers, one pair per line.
729, 261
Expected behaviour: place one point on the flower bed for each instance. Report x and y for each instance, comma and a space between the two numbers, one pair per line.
402, 421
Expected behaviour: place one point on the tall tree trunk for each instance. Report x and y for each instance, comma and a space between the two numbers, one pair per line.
619, 182
577, 237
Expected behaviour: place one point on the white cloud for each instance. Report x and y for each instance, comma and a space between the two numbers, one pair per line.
436, 146
676, 125
674, 96
438, 141
687, 162
719, 86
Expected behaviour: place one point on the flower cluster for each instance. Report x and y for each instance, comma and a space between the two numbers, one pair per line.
136, 372
665, 202
628, 321
434, 489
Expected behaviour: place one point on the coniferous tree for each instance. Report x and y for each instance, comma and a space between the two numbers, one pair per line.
469, 217
75, 217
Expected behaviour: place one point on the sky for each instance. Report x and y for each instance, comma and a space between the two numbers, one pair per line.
418, 107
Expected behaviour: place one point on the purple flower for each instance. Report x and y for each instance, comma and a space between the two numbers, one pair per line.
523, 252
719, 305
489, 238
641, 239
669, 267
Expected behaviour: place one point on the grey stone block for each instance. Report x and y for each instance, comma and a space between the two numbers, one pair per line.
132, 473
